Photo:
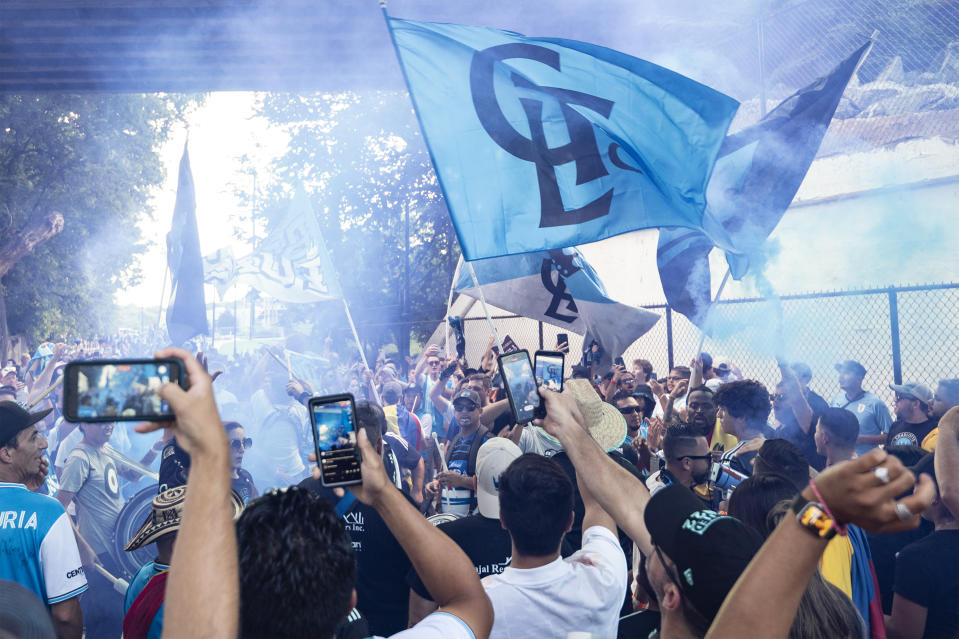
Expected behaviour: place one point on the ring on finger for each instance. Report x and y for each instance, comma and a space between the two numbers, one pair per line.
882, 473
902, 511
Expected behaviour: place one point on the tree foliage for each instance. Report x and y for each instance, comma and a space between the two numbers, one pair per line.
362, 159
92, 158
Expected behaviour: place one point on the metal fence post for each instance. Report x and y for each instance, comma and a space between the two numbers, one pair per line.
669, 337
894, 334
540, 335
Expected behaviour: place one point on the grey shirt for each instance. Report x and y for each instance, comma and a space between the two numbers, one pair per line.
92, 477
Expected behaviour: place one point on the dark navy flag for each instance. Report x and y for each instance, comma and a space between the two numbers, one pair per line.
544, 143
558, 287
756, 177
186, 313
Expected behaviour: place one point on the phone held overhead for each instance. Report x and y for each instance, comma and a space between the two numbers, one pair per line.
111, 390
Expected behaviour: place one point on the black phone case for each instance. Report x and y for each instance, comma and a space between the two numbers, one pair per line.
70, 392
322, 401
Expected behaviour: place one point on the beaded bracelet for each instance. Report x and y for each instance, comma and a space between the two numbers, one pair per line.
841, 529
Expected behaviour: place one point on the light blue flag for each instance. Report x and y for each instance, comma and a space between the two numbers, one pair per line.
544, 143
559, 287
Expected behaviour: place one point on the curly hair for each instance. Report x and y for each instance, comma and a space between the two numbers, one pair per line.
746, 399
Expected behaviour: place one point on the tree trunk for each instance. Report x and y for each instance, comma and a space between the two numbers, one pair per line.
18, 245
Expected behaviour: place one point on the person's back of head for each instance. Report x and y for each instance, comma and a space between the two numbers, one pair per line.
535, 504
297, 567
746, 399
783, 458
392, 393
755, 497
841, 426
371, 418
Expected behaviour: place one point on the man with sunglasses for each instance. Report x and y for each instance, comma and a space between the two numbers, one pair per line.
687, 460
913, 423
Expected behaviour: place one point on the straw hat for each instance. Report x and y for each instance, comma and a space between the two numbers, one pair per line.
605, 423
165, 515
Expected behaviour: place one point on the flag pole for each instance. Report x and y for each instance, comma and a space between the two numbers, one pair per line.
482, 297
359, 345
719, 291
166, 273
449, 304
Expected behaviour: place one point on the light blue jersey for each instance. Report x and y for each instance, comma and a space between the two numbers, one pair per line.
39, 549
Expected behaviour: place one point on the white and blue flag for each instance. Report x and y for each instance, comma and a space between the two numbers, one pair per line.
558, 287
544, 143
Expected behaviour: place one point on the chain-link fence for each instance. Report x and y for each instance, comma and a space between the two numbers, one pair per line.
898, 334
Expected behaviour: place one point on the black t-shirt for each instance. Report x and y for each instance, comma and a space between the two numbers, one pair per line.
904, 434
793, 433
927, 574
381, 564
483, 540
243, 485
884, 547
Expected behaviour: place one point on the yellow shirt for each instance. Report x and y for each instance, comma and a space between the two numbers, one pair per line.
930, 440
720, 438
836, 564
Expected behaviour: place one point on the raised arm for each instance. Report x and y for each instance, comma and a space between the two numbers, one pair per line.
446, 571
616, 490
798, 403
766, 596
203, 589
947, 460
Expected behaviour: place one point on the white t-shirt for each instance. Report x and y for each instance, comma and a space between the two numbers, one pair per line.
439, 625
534, 440
583, 592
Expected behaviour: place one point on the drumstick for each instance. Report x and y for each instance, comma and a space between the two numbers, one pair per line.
44, 394
120, 585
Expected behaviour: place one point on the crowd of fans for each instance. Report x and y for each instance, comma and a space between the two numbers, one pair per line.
700, 504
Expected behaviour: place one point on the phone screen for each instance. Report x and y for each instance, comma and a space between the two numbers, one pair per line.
334, 436
549, 370
118, 390
520, 383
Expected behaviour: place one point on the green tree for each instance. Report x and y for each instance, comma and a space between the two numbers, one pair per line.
362, 159
78, 171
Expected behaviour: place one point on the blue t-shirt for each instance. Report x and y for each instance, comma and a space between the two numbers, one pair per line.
144, 575
873, 416
39, 550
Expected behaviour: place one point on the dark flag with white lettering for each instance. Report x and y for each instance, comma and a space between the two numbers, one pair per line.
558, 287
756, 177
544, 143
186, 313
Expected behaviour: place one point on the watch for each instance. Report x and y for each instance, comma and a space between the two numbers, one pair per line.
813, 517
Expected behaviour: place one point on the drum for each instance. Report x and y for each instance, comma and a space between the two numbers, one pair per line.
134, 513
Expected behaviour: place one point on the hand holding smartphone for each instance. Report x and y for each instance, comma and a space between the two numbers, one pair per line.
120, 389
333, 419
517, 373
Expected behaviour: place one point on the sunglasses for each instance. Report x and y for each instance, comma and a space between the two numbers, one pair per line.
437, 363
706, 456
629, 410
240, 444
778, 397
899, 397
464, 408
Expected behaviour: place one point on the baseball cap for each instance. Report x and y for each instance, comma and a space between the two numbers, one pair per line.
723, 369
914, 390
14, 418
852, 366
644, 392
801, 369
492, 459
471, 395
710, 550
6, 370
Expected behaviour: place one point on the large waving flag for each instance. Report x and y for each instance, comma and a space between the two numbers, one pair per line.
544, 143
756, 177
560, 288
186, 313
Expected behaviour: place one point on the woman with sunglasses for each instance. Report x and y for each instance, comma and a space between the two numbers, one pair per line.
242, 479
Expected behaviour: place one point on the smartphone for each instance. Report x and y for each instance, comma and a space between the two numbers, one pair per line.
517, 373
619, 361
549, 367
114, 390
333, 419
562, 338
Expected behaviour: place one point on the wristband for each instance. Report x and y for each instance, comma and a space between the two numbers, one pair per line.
841, 529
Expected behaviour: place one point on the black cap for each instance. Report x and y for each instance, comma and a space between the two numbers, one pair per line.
14, 418
710, 550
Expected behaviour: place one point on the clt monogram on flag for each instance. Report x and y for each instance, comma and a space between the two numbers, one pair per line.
545, 143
